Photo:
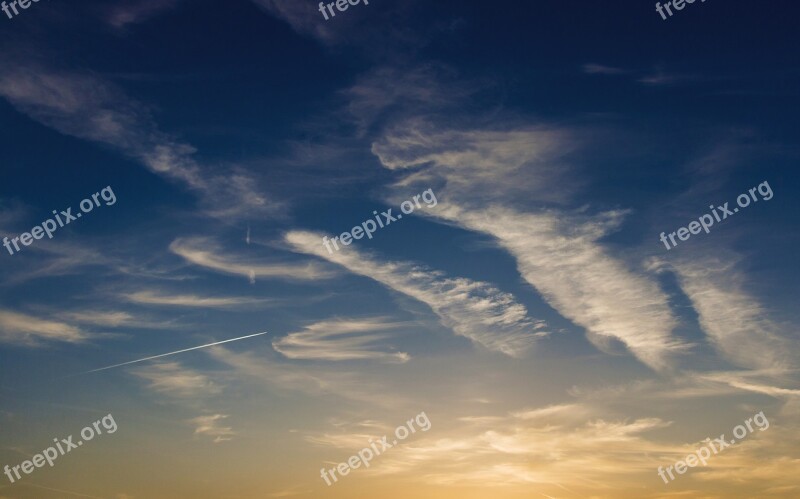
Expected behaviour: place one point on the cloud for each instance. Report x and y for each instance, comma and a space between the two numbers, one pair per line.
312, 380
733, 319
367, 29
112, 319
656, 77
98, 318
577, 277
62, 258
745, 381
514, 449
121, 14
523, 163
270, 373
205, 253
302, 17
84, 106
290, 492
557, 251
338, 340
155, 298
659, 77
562, 411
540, 454
602, 69
394, 92
211, 426
473, 309
172, 379
61, 491
26, 330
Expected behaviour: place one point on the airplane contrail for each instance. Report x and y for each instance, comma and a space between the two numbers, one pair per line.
173, 353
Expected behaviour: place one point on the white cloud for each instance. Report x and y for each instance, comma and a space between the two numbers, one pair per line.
100, 318
524, 164
541, 454
171, 378
112, 319
155, 298
205, 253
561, 412
473, 309
403, 91
211, 426
754, 381
602, 69
85, 106
578, 278
26, 330
731, 316
309, 379
338, 340
483, 173
508, 450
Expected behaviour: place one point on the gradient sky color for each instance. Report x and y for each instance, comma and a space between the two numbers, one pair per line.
557, 347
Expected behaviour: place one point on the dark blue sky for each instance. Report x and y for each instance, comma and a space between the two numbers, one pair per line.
560, 138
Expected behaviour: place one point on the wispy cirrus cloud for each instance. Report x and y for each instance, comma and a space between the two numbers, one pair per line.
290, 492
388, 93
206, 253
60, 259
101, 318
339, 340
592, 68
557, 250
735, 322
581, 280
302, 17
122, 14
658, 76
473, 309
477, 163
82, 105
268, 371
516, 449
356, 27
112, 318
538, 450
26, 330
212, 426
173, 379
157, 298
755, 381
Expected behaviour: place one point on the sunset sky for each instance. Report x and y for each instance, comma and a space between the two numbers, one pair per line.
527, 306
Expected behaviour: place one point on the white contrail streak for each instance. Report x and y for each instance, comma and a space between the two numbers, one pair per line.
173, 353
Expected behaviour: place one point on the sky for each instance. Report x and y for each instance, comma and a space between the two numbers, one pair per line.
565, 249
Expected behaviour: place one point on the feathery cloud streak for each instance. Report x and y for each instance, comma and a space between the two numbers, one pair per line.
338, 340
473, 309
557, 252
